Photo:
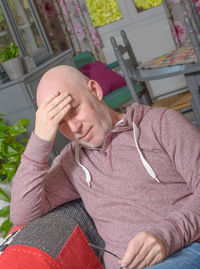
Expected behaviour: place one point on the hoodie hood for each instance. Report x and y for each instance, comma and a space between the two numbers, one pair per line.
134, 115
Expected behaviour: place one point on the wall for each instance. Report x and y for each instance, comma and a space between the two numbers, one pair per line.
150, 36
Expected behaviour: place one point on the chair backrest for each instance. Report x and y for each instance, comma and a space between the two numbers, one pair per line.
196, 15
193, 37
127, 62
129, 49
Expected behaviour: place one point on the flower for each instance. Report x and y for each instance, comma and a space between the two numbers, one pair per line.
95, 38
179, 32
48, 9
197, 4
63, 6
79, 31
77, 8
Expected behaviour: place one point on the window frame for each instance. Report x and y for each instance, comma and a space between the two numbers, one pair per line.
41, 54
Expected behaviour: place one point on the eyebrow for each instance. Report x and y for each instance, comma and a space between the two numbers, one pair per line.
73, 101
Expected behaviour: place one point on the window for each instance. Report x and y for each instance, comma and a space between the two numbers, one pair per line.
103, 12
19, 23
5, 35
146, 4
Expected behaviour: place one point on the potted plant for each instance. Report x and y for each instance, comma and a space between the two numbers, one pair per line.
12, 145
11, 61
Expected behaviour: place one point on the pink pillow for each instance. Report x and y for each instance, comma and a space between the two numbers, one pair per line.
106, 78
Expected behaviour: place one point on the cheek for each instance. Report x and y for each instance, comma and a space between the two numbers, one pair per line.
66, 132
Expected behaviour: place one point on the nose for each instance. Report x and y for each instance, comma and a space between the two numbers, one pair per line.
74, 125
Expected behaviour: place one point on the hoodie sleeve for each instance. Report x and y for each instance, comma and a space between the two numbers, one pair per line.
37, 188
181, 141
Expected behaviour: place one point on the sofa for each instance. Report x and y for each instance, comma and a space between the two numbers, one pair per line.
59, 239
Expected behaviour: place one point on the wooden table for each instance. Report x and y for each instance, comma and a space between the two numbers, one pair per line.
180, 61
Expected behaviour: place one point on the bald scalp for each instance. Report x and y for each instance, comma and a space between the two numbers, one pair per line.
63, 79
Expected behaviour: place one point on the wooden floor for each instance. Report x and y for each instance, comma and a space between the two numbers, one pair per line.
179, 102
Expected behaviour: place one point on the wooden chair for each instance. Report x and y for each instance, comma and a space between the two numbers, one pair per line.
128, 65
196, 16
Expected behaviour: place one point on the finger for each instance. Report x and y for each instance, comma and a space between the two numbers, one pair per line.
140, 258
59, 116
49, 99
130, 253
154, 256
56, 101
151, 260
57, 109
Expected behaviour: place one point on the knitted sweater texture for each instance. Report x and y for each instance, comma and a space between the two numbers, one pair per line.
123, 199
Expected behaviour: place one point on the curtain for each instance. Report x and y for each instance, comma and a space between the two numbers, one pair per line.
175, 11
67, 24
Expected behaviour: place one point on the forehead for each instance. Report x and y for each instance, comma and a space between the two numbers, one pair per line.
47, 87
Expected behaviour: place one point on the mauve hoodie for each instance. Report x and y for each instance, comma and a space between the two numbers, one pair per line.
145, 177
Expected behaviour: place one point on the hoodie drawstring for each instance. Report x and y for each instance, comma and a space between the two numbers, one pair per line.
145, 163
87, 173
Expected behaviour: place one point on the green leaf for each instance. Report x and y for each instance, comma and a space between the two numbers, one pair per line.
16, 129
5, 211
25, 140
9, 170
9, 52
3, 126
2, 134
3, 147
3, 177
10, 139
4, 196
23, 122
5, 227
11, 151
18, 146
14, 159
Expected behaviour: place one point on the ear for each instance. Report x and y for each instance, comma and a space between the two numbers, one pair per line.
95, 89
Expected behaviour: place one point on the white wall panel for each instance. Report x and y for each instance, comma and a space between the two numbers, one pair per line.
150, 36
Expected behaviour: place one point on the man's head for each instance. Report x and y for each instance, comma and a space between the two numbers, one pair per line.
89, 119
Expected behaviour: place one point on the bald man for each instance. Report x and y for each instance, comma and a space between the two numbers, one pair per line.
68, 92
137, 173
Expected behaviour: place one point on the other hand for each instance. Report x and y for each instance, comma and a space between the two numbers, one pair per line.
50, 113
145, 249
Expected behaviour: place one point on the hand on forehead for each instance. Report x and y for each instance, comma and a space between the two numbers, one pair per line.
60, 79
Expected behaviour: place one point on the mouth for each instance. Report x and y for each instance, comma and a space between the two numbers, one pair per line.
86, 135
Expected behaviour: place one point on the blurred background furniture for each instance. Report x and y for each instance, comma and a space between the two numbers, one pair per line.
18, 97
191, 71
117, 95
196, 16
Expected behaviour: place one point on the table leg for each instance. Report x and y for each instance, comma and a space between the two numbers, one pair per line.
193, 83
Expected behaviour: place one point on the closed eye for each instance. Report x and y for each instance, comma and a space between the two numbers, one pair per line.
74, 109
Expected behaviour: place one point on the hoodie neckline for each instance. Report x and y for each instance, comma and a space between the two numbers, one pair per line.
128, 123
